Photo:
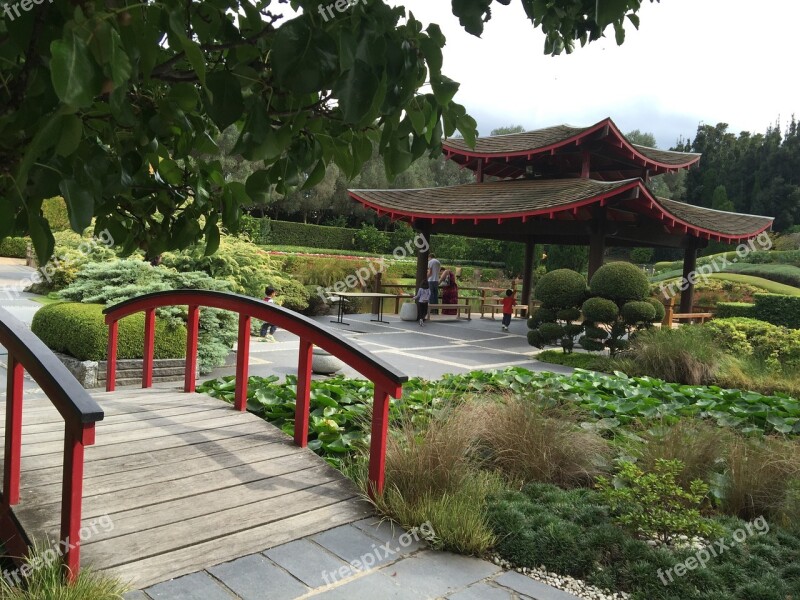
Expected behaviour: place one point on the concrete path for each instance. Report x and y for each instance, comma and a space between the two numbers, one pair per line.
14, 277
365, 560
429, 352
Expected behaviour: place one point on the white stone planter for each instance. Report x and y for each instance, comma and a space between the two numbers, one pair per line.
408, 311
324, 363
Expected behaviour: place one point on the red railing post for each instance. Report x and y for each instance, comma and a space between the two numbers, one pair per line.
303, 403
242, 362
149, 347
192, 329
13, 432
76, 438
377, 445
111, 364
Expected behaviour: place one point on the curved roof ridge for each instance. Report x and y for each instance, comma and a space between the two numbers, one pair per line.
715, 210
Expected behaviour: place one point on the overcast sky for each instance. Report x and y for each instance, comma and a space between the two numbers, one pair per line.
692, 61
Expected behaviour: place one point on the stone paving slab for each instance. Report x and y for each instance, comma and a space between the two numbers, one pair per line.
532, 588
307, 561
485, 591
250, 577
196, 586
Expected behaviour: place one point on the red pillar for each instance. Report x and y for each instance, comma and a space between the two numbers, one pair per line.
13, 432
76, 438
111, 364
242, 363
303, 403
377, 446
149, 347
192, 332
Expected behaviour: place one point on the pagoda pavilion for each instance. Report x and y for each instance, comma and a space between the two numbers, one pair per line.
565, 185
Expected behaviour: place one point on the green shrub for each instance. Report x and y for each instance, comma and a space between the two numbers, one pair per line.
287, 233
653, 505
658, 306
762, 340
620, 282
14, 247
638, 312
735, 309
80, 331
55, 211
113, 282
561, 289
778, 309
642, 255
370, 239
600, 310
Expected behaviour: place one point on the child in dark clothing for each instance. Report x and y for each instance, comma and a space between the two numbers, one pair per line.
422, 297
509, 302
268, 329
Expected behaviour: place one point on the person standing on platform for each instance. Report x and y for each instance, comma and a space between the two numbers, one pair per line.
434, 268
422, 298
509, 302
268, 329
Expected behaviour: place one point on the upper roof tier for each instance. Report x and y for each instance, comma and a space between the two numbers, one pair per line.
565, 150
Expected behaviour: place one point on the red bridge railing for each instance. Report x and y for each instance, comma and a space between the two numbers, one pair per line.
388, 380
26, 352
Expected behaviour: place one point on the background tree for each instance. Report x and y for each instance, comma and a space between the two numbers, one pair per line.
508, 129
113, 104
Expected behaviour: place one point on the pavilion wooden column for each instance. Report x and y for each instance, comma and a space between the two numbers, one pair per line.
689, 275
527, 273
597, 241
424, 231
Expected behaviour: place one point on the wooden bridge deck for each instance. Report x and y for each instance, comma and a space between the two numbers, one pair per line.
178, 482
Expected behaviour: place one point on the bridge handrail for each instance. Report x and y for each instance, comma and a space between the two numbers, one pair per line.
388, 381
80, 411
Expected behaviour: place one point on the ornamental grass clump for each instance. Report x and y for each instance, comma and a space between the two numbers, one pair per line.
527, 442
686, 355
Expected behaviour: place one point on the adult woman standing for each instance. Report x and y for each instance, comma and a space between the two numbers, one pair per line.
449, 287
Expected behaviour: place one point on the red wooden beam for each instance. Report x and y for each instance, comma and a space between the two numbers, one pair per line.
76, 438
111, 364
149, 347
13, 432
242, 363
192, 333
303, 403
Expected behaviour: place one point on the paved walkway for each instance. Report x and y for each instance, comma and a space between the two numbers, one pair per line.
331, 565
429, 352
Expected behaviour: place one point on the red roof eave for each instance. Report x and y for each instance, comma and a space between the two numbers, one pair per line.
661, 212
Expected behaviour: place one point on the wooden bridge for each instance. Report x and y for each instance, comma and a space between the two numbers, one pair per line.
154, 483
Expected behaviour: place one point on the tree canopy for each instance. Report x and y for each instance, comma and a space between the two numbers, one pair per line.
117, 105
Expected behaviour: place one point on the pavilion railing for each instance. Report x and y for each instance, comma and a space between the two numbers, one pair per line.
26, 352
388, 381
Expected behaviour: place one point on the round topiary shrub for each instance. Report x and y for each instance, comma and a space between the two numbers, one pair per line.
638, 312
620, 282
551, 331
539, 316
561, 288
599, 310
659, 307
569, 314
80, 330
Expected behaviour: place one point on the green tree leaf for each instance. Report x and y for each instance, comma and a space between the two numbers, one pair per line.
75, 77
80, 204
225, 105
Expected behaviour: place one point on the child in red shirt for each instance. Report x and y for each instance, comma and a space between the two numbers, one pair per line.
509, 302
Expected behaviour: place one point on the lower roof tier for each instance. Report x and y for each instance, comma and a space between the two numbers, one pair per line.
563, 200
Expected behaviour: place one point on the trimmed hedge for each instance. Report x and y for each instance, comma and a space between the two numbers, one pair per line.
778, 309
561, 288
735, 309
14, 247
80, 330
287, 233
